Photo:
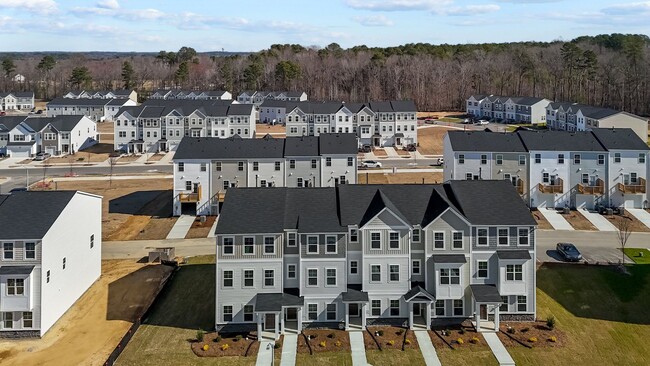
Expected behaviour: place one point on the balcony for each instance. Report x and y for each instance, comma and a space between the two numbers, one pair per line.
632, 188
190, 197
599, 188
520, 186
557, 187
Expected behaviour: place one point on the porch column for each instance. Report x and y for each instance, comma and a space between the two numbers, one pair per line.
363, 314
410, 315
496, 318
259, 326
347, 316
277, 325
299, 317
282, 321
477, 315
428, 320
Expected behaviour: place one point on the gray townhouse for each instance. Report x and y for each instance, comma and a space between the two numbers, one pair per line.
205, 168
356, 255
602, 167
103, 94
159, 125
175, 94
16, 101
97, 109
258, 97
516, 109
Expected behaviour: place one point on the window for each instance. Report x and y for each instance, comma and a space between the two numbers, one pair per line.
240, 166
375, 240
299, 183
8, 320
375, 273
449, 276
354, 267
228, 247
514, 272
502, 236
331, 311
227, 313
393, 240
522, 159
181, 167
277, 165
8, 251
330, 244
617, 158
482, 267
482, 237
350, 161
461, 159
394, 307
256, 166
47, 277
227, 278
249, 278
457, 240
312, 277
330, 277
30, 250
63, 262
521, 303
538, 158
269, 245
393, 273
28, 319
416, 235
641, 158
312, 244
440, 307
375, 307
204, 167
483, 159
354, 235
188, 185
292, 164
499, 159
560, 158
249, 245
415, 267
313, 163
504, 304
439, 240
15, 286
601, 159
328, 161
269, 278
92, 241
576, 159
291, 239
312, 311
217, 166
458, 308
248, 313
291, 271
523, 236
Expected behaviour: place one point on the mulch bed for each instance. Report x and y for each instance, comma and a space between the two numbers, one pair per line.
380, 152
228, 345
389, 338
458, 336
324, 340
525, 331
200, 229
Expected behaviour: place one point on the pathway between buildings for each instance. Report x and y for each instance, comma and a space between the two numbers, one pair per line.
265, 354
289, 347
358, 348
499, 351
641, 214
427, 349
598, 220
555, 219
181, 227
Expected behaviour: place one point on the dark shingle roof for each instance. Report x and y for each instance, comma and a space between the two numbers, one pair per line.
619, 139
337, 143
418, 291
485, 141
486, 293
230, 148
513, 254
354, 295
301, 146
559, 141
449, 258
29, 215
275, 301
16, 270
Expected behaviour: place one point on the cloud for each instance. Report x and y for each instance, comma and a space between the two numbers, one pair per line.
33, 6
120, 13
470, 10
638, 8
530, 1
374, 21
108, 4
396, 5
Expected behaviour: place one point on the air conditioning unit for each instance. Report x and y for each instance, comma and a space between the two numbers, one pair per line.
609, 211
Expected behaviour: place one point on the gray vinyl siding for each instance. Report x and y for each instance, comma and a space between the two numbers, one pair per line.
447, 223
340, 245
492, 238
510, 166
379, 224
421, 244
19, 252
422, 258
259, 247
303, 170
322, 289
230, 172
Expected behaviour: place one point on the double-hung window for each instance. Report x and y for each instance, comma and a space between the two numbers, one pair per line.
521, 303
354, 235
394, 307
312, 311
502, 236
375, 307
30, 250
439, 240
617, 158
393, 240
440, 307
482, 237
560, 158
522, 159
277, 165
499, 159
457, 240
331, 311
538, 158
328, 161
312, 244
415, 267
482, 269
375, 273
601, 158
350, 161
458, 308
330, 244
330, 277
641, 158
483, 159
15, 286
354, 267
375, 240
393, 273
291, 271
28, 319
228, 247
269, 245
312, 277
269, 278
313, 164
504, 304
416, 235
240, 166
249, 278
8, 251
249, 245
248, 313
227, 278
227, 313
576, 159
291, 239
514, 272
523, 236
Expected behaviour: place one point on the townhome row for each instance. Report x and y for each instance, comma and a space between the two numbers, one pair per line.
357, 255
16, 101
578, 117
103, 94
51, 254
174, 94
602, 167
159, 125
97, 109
24, 137
510, 109
258, 97
378, 124
204, 168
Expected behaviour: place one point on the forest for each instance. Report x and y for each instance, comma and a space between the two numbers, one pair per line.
606, 70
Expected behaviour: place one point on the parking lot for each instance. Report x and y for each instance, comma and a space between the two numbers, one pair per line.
596, 247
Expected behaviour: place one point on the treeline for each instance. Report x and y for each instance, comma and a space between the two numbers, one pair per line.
605, 70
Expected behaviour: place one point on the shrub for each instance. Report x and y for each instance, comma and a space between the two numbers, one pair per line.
238, 338
206, 347
550, 322
331, 335
524, 330
380, 332
408, 341
313, 336
218, 339
199, 335
461, 331
532, 339
322, 344
276, 345
474, 340
460, 341
391, 342
511, 330
552, 339
400, 332
224, 346
446, 332
338, 343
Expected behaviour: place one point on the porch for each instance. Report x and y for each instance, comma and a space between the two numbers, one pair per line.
278, 313
487, 301
355, 302
419, 301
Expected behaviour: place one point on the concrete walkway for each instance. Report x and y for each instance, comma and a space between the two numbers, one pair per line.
181, 227
498, 350
555, 219
641, 215
212, 234
143, 158
265, 354
390, 151
598, 220
427, 349
167, 158
289, 347
358, 348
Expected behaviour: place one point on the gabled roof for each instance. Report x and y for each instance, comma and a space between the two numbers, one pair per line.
485, 141
619, 139
79, 102
559, 141
418, 292
29, 215
378, 204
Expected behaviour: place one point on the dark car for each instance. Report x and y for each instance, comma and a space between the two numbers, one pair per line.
569, 252
410, 147
365, 149
40, 111
19, 189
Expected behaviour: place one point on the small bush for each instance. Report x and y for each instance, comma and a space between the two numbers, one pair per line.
408, 341
474, 340
313, 336
524, 330
400, 332
460, 341
276, 345
550, 322
331, 335
224, 346
238, 338
391, 342
218, 339
199, 335
532, 339
323, 344
511, 330
461, 331
381, 333
338, 343
552, 339
80, 159
446, 332
206, 347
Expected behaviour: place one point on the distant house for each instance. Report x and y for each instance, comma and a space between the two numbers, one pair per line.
51, 255
97, 109
508, 108
258, 97
174, 94
103, 94
16, 101
19, 78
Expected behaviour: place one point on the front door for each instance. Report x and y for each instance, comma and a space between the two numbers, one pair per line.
354, 310
269, 322
398, 141
484, 312
291, 314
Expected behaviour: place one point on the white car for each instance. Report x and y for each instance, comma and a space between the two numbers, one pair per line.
371, 164
483, 122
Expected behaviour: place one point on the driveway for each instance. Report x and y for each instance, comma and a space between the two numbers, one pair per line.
641, 214
597, 220
595, 246
555, 219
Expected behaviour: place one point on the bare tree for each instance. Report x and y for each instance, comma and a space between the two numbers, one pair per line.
112, 161
623, 231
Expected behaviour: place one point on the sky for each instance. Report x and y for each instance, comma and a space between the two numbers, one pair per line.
253, 25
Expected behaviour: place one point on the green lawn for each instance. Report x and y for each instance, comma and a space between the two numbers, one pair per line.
450, 119
603, 313
390, 357
469, 356
633, 253
324, 359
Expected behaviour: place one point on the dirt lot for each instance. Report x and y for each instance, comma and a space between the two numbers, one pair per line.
380, 153
94, 154
578, 221
635, 224
542, 223
89, 331
438, 114
128, 158
399, 178
262, 129
430, 140
200, 229
155, 157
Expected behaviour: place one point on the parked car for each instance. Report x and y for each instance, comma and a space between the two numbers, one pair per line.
482, 122
410, 147
439, 162
40, 111
365, 149
18, 189
371, 164
569, 252
3, 113
42, 156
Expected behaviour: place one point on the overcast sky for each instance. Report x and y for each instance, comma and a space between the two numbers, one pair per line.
236, 25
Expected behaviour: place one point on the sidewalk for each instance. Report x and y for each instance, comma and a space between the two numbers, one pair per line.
596, 219
265, 354
106, 177
167, 159
358, 348
427, 349
499, 351
641, 215
289, 347
392, 154
555, 219
181, 227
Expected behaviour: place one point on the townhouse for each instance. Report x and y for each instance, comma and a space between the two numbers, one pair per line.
578, 117
50, 257
103, 94
258, 97
24, 137
97, 109
205, 168
173, 94
508, 108
16, 101
159, 125
357, 255
602, 167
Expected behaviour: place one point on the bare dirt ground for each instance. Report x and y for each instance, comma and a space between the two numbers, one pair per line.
94, 154
200, 229
380, 153
93, 326
156, 157
578, 221
128, 159
634, 224
262, 129
400, 178
542, 223
430, 140
438, 114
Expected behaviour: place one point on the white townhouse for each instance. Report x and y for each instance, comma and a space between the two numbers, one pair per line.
578, 117
205, 168
356, 255
174, 94
24, 137
50, 257
159, 125
258, 97
516, 109
97, 109
16, 101
103, 94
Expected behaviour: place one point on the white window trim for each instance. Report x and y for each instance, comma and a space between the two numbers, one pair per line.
399, 269
350, 235
307, 277
517, 303
371, 307
336, 312
244, 246
264, 247
370, 273
420, 236
518, 236
487, 269
316, 318
317, 246
264, 285
223, 246
25, 250
507, 237
243, 277
223, 313
295, 269
462, 241
390, 308
336, 249
243, 311
295, 241
419, 266
336, 280
453, 308
399, 244
13, 251
370, 240
433, 240
444, 308
223, 278
514, 272
487, 237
